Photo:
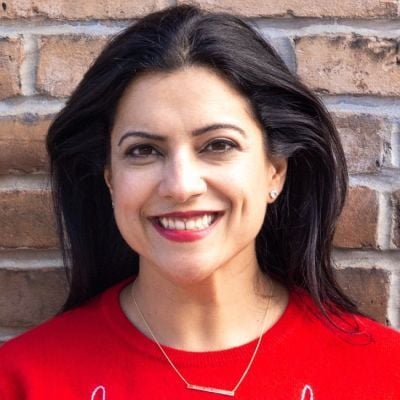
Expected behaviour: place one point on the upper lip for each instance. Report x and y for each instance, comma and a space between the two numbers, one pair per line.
186, 214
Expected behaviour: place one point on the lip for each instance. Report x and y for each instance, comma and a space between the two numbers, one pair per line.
185, 235
187, 214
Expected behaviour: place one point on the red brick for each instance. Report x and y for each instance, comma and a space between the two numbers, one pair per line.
77, 9
349, 64
63, 60
302, 8
10, 60
30, 297
26, 219
369, 288
22, 147
357, 225
364, 138
396, 219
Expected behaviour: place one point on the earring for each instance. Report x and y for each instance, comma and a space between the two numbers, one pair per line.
273, 194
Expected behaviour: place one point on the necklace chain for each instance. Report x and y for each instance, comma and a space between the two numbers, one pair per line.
206, 388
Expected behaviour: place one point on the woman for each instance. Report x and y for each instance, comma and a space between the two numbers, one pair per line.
197, 184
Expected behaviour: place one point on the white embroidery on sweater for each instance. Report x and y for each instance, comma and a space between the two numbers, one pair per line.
307, 390
99, 389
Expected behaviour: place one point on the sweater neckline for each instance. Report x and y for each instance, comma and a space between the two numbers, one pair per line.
134, 340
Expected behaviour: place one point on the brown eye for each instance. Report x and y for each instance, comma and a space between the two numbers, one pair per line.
142, 151
220, 146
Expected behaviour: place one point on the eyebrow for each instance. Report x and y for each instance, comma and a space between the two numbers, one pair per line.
196, 132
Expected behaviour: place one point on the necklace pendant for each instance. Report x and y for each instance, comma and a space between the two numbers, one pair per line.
223, 392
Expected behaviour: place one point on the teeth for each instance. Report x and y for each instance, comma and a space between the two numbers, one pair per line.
199, 223
189, 224
179, 225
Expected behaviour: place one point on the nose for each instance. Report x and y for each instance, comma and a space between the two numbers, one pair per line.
182, 179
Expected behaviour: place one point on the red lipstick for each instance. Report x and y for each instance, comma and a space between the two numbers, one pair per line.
184, 235
186, 214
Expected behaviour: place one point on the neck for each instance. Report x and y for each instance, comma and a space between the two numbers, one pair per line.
220, 312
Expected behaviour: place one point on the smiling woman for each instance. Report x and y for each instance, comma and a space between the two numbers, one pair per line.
186, 166
197, 184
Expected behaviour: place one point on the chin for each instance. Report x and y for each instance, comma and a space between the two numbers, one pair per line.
189, 276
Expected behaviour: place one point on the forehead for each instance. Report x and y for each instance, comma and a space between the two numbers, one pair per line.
184, 99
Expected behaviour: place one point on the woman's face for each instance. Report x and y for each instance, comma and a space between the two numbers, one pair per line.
188, 174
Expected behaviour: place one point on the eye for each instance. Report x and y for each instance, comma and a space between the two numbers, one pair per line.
142, 151
220, 146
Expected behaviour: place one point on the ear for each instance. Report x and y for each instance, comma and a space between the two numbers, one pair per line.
276, 178
108, 178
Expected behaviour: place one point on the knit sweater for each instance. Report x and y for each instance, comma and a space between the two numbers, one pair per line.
94, 353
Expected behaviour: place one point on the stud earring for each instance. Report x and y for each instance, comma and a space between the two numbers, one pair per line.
273, 194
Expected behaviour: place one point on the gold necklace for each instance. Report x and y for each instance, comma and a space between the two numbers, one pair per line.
191, 386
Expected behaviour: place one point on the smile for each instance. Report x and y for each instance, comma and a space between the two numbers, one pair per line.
188, 224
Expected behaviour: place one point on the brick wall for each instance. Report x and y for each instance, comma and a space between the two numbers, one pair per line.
348, 51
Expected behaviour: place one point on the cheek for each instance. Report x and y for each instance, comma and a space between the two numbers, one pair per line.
247, 194
130, 199
250, 194
250, 179
129, 188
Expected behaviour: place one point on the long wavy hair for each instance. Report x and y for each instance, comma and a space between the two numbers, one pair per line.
294, 244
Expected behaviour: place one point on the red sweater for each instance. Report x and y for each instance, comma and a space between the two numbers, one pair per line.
94, 353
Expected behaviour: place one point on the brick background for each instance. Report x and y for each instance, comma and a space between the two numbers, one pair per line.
29, 297
357, 226
304, 8
26, 219
369, 288
22, 147
365, 140
10, 60
396, 219
352, 64
348, 51
77, 9
63, 61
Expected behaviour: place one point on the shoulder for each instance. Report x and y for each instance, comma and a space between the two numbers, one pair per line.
52, 334
64, 334
347, 334
384, 340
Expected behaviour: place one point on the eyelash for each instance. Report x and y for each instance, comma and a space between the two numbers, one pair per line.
232, 145
130, 151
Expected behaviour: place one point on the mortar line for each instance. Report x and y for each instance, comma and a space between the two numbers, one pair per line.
367, 104
7, 333
24, 182
28, 258
292, 27
384, 224
28, 65
388, 180
366, 259
65, 27
299, 27
366, 265
393, 307
31, 105
395, 143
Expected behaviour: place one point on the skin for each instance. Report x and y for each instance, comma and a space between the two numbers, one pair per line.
208, 294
